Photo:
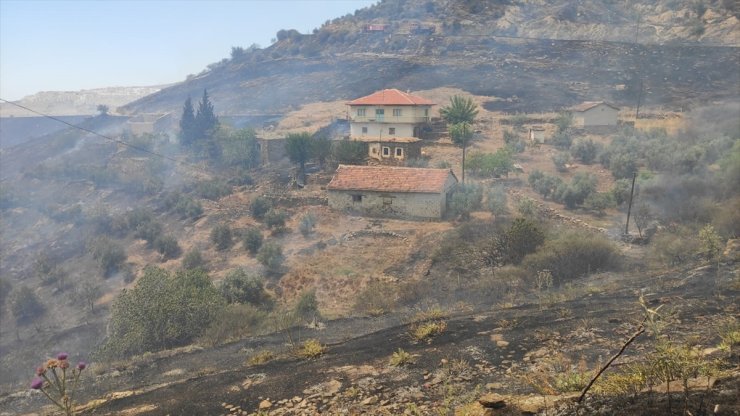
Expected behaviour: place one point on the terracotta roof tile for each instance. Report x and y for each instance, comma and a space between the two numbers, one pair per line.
391, 97
389, 179
587, 105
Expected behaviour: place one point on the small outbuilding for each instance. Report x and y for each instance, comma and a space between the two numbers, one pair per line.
594, 114
537, 135
392, 191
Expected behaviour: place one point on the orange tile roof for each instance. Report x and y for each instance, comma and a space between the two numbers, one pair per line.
391, 97
389, 179
587, 105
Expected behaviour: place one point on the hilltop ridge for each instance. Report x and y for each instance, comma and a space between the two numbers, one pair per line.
510, 51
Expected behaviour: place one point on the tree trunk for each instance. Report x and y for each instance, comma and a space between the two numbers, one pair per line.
463, 162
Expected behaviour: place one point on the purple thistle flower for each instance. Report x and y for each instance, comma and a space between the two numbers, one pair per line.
81, 365
62, 356
40, 370
37, 383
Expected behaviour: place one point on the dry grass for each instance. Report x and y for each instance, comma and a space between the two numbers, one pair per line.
260, 357
425, 331
311, 348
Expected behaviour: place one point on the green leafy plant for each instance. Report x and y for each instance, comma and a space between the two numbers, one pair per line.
401, 358
221, 237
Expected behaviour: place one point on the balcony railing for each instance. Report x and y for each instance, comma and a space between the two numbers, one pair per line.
388, 119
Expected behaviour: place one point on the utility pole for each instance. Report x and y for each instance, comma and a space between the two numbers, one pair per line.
629, 208
465, 142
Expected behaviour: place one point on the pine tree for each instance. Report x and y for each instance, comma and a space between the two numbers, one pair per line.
187, 124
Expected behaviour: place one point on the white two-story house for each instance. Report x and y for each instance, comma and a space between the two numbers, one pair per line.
390, 121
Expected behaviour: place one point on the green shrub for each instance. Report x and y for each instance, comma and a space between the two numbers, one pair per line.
564, 121
527, 207
308, 222
576, 192
466, 199
25, 305
495, 164
242, 287
349, 152
193, 260
252, 240
271, 256
189, 208
221, 237
599, 201
543, 184
622, 165
162, 311
275, 218
620, 191
585, 150
561, 140
109, 254
259, 207
138, 217
307, 307
149, 231
574, 254
167, 246
496, 200
522, 237
213, 190
560, 160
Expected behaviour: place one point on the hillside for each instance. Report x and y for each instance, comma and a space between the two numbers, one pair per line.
74, 103
524, 55
195, 277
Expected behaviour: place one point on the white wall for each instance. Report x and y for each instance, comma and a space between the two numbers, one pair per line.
378, 130
601, 115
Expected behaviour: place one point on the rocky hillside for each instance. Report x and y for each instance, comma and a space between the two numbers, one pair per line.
529, 55
73, 103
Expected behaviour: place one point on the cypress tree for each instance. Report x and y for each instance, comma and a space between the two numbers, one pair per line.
205, 118
187, 124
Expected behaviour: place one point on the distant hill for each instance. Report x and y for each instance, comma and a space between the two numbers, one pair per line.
76, 103
527, 55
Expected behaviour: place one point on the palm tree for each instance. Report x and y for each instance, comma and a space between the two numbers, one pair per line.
461, 133
461, 110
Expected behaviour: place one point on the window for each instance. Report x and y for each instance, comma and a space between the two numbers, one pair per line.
426, 112
399, 152
386, 151
356, 198
379, 112
364, 130
387, 201
396, 112
361, 112
391, 130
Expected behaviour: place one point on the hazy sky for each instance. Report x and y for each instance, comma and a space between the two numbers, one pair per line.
63, 45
